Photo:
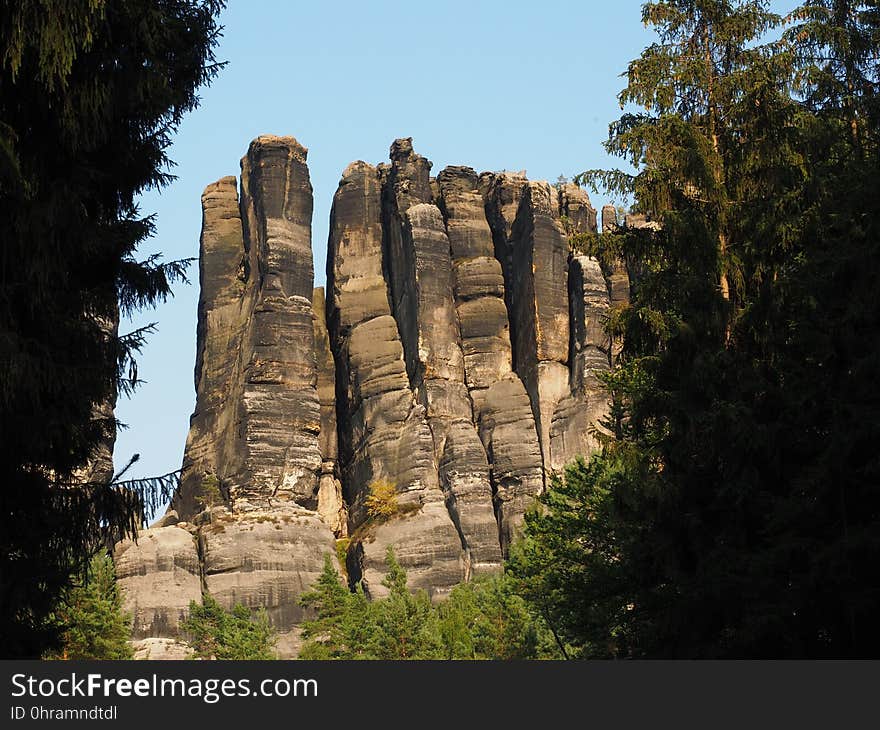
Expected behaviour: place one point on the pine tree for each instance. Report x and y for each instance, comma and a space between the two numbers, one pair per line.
406, 625
717, 160
836, 46
829, 511
503, 627
456, 618
485, 619
91, 618
568, 567
343, 623
346, 625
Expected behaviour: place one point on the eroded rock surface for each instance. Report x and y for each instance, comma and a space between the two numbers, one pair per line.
384, 437
161, 649
158, 575
535, 259
501, 409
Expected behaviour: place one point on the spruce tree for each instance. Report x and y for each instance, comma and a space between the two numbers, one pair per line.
343, 622
90, 97
735, 508
406, 625
91, 617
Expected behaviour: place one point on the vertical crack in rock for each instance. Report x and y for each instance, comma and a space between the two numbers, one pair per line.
422, 277
502, 193
331, 506
589, 295
225, 301
579, 415
576, 416
505, 424
383, 430
534, 253
590, 306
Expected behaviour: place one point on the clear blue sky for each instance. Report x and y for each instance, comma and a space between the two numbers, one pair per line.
498, 84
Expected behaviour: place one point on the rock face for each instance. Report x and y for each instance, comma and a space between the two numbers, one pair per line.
501, 408
453, 361
259, 491
159, 575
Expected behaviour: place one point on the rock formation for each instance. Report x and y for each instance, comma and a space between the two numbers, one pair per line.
452, 363
254, 462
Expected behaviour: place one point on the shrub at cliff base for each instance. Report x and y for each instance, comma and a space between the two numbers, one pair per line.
220, 634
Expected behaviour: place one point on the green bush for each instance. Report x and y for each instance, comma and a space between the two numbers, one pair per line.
488, 619
482, 620
209, 493
348, 626
220, 634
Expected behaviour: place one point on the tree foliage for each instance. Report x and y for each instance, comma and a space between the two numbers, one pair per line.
381, 502
91, 617
488, 619
349, 626
210, 493
479, 620
90, 96
219, 634
343, 624
405, 623
735, 509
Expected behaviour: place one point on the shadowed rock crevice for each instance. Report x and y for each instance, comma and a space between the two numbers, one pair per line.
225, 301
578, 417
501, 193
331, 505
534, 255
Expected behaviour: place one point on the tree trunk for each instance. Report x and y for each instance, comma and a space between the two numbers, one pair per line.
716, 147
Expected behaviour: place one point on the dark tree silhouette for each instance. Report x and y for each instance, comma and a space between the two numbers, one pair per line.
90, 96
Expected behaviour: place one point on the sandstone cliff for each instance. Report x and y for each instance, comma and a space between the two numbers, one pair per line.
452, 362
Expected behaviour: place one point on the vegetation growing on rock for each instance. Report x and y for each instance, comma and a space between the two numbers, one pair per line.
381, 502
